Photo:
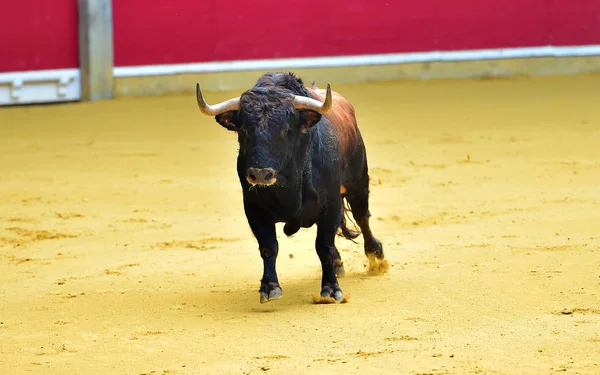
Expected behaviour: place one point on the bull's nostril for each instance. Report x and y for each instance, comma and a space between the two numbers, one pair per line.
268, 176
252, 177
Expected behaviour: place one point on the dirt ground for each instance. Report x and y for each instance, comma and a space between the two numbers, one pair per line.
124, 248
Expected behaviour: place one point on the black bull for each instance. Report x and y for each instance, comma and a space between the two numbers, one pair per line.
301, 154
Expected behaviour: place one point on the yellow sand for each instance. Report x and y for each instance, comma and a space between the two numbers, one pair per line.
125, 250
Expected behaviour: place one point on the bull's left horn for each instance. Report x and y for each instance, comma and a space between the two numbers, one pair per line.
302, 102
217, 109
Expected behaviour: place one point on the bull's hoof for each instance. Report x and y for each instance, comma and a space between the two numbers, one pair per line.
333, 291
338, 267
374, 249
270, 292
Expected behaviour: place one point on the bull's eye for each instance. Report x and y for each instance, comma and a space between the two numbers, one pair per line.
285, 132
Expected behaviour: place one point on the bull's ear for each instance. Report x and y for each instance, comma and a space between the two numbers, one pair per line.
228, 120
308, 119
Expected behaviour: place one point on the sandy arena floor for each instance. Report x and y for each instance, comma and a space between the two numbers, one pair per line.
124, 248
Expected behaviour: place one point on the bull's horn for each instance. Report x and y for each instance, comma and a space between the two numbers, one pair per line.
217, 109
302, 102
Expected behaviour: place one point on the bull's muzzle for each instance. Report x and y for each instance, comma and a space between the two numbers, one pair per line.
261, 176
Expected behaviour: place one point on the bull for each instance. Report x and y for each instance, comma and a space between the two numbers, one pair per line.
300, 156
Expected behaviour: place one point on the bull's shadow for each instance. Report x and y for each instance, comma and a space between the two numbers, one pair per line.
300, 292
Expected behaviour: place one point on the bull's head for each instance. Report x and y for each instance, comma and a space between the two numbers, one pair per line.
271, 123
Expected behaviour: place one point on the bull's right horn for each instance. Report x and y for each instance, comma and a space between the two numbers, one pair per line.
217, 109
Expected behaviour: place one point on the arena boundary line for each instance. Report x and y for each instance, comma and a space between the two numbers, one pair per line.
357, 60
64, 85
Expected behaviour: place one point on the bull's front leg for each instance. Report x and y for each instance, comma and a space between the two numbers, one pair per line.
264, 231
325, 246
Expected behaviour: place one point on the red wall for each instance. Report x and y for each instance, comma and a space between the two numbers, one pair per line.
42, 34
38, 35
182, 31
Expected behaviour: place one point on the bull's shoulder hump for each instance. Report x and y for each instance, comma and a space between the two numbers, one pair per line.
341, 118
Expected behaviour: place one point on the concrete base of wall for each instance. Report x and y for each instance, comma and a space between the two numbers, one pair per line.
479, 69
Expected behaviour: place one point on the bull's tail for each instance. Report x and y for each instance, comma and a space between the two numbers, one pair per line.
349, 234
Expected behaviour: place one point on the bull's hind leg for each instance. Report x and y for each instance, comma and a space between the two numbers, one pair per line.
358, 198
338, 265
